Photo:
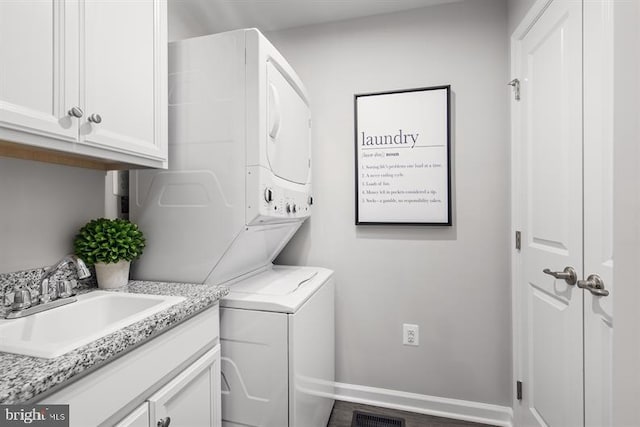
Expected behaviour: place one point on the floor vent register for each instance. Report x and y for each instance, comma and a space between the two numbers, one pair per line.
365, 419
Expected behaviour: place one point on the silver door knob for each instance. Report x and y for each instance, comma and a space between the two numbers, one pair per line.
568, 275
164, 422
595, 285
95, 118
76, 112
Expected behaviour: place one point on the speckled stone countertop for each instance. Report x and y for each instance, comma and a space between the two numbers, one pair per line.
24, 378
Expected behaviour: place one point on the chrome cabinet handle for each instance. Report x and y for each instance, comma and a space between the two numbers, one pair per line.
95, 118
568, 275
76, 112
164, 422
595, 285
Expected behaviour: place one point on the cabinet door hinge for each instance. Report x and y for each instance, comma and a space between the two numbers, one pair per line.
515, 84
518, 240
519, 390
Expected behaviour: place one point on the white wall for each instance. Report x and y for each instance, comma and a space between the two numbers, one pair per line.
42, 206
626, 208
187, 19
451, 281
517, 10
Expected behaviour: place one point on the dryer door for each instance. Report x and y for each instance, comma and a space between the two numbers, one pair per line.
288, 128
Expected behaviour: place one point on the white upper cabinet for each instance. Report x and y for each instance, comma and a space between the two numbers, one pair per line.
38, 68
85, 77
125, 76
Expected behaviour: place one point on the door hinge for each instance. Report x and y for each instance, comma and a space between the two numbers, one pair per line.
515, 83
518, 240
519, 390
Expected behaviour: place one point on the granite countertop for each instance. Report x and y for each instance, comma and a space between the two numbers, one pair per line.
24, 378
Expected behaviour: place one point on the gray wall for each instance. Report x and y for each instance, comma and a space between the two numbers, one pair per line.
517, 10
42, 206
451, 281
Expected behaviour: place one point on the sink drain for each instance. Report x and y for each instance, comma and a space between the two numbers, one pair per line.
365, 419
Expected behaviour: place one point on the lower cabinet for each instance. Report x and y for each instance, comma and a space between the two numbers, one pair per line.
138, 418
172, 380
191, 399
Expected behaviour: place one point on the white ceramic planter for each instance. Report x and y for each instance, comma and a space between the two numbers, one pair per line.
111, 276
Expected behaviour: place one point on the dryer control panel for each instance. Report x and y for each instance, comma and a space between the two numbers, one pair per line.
271, 199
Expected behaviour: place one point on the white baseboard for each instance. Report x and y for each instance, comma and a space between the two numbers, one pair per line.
423, 404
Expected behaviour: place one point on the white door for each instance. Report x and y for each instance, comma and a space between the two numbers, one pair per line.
39, 67
566, 152
122, 79
598, 209
550, 141
192, 398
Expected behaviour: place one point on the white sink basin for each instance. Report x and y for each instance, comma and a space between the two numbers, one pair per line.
57, 331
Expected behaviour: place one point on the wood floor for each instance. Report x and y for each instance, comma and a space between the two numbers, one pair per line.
343, 412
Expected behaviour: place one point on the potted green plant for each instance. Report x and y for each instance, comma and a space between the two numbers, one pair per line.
110, 245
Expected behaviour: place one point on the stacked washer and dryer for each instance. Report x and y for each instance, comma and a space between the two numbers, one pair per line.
238, 187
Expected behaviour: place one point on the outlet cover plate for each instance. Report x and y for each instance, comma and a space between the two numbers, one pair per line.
410, 334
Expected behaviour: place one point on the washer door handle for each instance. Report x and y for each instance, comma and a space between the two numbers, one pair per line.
274, 111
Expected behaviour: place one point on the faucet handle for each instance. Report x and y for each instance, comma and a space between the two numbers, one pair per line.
7, 297
21, 299
65, 288
45, 294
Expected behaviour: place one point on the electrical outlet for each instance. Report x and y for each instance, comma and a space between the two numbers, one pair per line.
410, 334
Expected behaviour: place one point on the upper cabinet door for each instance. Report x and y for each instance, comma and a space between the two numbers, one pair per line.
124, 76
39, 67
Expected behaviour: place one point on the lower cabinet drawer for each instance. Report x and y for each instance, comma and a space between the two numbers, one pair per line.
138, 418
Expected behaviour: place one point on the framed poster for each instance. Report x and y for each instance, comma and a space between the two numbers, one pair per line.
402, 141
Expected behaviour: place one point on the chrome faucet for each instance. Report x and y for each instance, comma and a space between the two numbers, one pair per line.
81, 269
23, 304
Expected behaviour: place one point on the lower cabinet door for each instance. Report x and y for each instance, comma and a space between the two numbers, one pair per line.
192, 398
138, 418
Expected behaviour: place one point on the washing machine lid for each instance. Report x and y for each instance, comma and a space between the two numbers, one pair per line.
280, 289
